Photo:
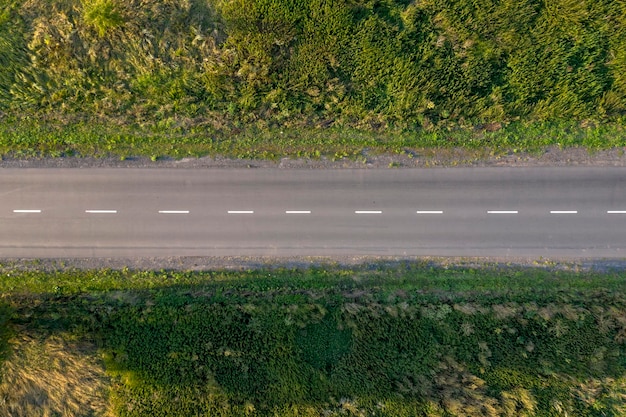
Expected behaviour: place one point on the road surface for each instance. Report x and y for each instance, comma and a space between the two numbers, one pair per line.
529, 212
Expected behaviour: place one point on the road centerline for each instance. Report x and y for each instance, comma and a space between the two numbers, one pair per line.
240, 211
101, 211
502, 212
26, 211
297, 211
563, 211
429, 212
173, 211
368, 212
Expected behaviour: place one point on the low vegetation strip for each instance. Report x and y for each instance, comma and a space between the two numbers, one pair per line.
31, 139
400, 340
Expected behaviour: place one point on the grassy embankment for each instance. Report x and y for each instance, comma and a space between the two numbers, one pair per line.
406, 340
28, 139
194, 77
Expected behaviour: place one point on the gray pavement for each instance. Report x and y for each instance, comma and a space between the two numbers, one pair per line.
551, 212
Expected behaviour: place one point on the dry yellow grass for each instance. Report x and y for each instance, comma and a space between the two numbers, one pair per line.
53, 377
462, 394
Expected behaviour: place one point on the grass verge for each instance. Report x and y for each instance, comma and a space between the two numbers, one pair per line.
400, 340
31, 138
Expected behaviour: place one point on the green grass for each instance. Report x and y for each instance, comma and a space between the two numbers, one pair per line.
401, 340
29, 138
165, 78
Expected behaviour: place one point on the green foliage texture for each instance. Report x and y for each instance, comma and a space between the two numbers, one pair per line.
362, 63
407, 340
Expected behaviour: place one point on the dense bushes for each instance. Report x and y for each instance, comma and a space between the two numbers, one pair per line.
400, 341
367, 63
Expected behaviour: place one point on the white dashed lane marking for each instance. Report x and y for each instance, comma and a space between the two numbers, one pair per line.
100, 211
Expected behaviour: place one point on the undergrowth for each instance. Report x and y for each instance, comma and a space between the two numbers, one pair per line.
399, 340
195, 77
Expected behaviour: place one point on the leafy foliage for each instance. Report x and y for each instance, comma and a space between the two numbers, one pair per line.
366, 64
400, 340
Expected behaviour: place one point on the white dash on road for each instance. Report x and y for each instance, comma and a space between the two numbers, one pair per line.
563, 212
298, 212
616, 212
173, 211
368, 212
101, 211
240, 212
26, 211
430, 212
502, 212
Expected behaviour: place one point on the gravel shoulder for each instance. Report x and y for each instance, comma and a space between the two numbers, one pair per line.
553, 156
208, 263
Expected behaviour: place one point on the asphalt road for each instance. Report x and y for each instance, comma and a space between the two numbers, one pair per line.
529, 212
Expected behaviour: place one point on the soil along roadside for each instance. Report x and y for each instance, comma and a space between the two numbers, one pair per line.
430, 158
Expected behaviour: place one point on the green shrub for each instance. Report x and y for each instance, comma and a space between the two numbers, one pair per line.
401, 61
391, 65
399, 340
